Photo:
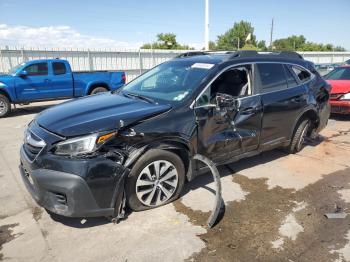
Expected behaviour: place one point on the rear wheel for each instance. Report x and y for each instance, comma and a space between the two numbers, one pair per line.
5, 106
156, 179
299, 136
98, 89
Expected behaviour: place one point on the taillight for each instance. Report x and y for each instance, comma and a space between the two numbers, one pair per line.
123, 78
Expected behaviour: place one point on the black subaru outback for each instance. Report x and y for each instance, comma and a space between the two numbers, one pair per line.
84, 157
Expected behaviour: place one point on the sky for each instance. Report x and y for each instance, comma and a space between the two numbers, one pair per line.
129, 24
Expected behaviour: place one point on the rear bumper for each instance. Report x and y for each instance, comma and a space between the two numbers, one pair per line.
68, 194
340, 107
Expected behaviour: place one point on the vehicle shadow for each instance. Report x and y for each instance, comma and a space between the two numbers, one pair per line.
28, 110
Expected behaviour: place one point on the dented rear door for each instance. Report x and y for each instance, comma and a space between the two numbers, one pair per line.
247, 122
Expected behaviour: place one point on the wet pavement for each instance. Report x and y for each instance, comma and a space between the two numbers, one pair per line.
275, 211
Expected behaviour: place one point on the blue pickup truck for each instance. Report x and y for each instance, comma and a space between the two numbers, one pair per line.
52, 79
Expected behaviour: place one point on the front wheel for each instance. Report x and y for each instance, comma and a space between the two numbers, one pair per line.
5, 106
156, 179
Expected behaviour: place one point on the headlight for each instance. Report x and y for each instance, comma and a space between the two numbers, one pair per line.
82, 145
345, 97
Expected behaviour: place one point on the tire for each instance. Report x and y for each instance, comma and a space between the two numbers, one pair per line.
5, 106
298, 139
98, 89
157, 192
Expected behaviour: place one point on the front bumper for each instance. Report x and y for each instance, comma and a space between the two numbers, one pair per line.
340, 107
95, 191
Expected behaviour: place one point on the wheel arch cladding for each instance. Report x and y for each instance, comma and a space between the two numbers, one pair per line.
4, 93
92, 86
310, 114
177, 148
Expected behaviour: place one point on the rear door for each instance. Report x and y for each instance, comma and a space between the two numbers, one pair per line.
283, 98
35, 85
61, 80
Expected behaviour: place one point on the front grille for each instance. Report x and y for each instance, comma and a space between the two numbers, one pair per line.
32, 145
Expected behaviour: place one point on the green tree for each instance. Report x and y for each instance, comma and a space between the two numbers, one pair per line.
250, 47
238, 33
166, 41
262, 45
299, 43
212, 46
290, 43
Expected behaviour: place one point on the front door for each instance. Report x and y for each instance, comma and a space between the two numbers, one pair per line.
226, 132
35, 84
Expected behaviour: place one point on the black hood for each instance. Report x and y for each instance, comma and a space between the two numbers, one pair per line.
96, 113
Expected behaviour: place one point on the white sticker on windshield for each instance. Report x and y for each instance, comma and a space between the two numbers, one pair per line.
202, 65
180, 96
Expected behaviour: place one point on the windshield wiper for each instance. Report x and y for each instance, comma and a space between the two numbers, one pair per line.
147, 99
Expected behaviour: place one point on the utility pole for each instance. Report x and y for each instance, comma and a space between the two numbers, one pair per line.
271, 35
206, 26
237, 43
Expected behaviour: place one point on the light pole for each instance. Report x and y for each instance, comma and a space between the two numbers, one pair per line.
206, 26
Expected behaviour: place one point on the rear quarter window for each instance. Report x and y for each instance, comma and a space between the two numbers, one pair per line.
272, 77
301, 73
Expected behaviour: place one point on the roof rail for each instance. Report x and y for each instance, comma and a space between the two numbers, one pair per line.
195, 53
244, 53
253, 53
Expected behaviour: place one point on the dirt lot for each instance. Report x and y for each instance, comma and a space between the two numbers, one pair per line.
275, 207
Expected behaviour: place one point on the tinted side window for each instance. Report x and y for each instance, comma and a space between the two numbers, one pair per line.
59, 68
302, 74
39, 69
291, 81
272, 77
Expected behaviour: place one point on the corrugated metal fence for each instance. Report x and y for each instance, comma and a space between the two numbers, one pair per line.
133, 62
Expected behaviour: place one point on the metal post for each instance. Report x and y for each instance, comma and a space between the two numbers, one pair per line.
140, 62
90, 62
206, 29
22, 54
1, 62
271, 35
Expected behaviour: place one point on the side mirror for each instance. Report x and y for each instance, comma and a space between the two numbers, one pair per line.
224, 101
23, 74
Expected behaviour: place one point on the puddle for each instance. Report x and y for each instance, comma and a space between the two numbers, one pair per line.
6, 235
251, 228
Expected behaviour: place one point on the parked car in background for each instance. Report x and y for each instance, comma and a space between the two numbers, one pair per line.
138, 143
324, 69
339, 79
347, 62
51, 79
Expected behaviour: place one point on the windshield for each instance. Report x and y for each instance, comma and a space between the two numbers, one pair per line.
340, 73
171, 81
14, 69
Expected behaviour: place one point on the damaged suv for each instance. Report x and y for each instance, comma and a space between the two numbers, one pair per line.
90, 156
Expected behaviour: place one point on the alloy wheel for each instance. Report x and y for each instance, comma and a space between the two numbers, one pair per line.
157, 183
